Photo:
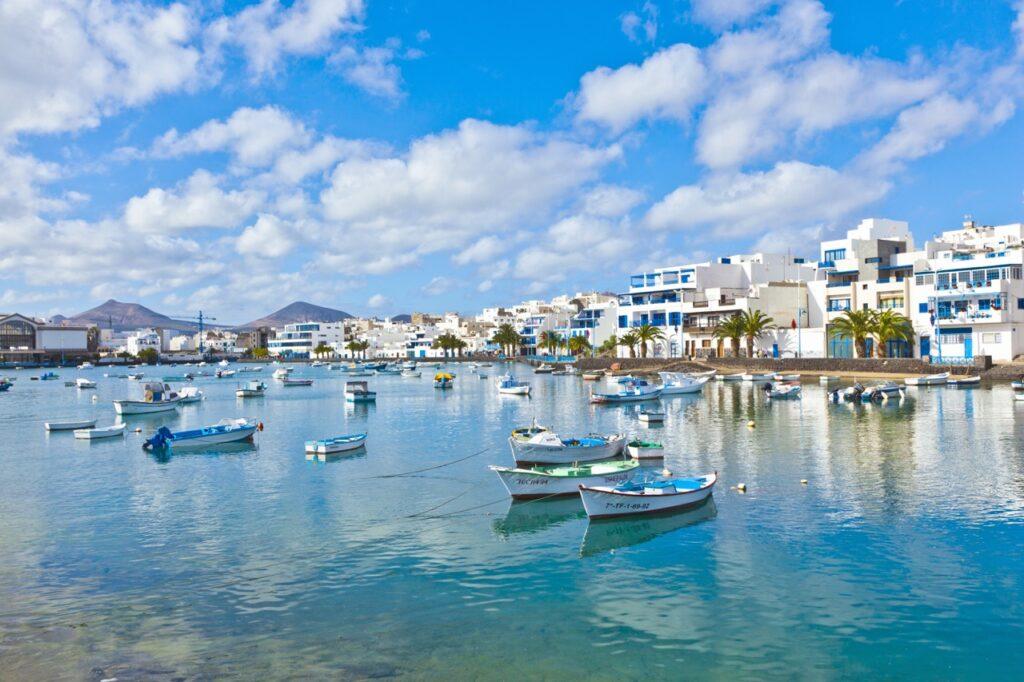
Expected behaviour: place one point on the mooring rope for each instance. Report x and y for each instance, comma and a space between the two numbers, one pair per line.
430, 468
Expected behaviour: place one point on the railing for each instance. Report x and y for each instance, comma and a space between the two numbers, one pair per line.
839, 284
826, 264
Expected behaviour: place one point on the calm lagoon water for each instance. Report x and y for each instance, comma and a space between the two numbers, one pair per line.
901, 557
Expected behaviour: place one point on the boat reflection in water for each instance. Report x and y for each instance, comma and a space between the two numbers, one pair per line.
326, 458
604, 535
533, 516
167, 454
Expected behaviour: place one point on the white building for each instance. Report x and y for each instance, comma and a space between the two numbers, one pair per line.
143, 339
301, 339
182, 343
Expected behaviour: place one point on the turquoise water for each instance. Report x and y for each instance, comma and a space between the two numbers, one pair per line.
902, 556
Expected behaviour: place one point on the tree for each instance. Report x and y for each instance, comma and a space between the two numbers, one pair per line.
148, 356
322, 349
857, 325
551, 341
459, 346
889, 325
755, 323
508, 338
353, 347
630, 340
363, 347
578, 345
731, 329
260, 353
608, 346
647, 333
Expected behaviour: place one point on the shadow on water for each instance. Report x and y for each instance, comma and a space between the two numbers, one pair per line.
604, 535
532, 516
165, 455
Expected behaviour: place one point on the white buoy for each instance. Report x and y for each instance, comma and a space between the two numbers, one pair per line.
742, 487
804, 481
138, 429
751, 423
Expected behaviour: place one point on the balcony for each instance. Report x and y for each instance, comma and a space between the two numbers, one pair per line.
839, 284
826, 264
978, 317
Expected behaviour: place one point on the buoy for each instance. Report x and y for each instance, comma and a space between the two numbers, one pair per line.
138, 429
804, 481
259, 427
666, 472
751, 423
742, 487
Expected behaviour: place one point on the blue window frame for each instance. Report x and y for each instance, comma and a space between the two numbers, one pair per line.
658, 319
1020, 304
876, 259
675, 319
922, 307
835, 254
623, 322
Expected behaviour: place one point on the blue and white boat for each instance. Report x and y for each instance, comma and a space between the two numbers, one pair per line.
646, 497
631, 392
539, 445
359, 392
5, 385
510, 386
48, 376
224, 431
330, 446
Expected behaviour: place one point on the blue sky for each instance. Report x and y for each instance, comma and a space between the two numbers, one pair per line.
387, 157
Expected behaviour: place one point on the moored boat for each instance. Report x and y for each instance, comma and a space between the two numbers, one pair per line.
224, 431
288, 381
826, 379
359, 392
543, 368
786, 377
281, 372
86, 365
70, 425
48, 376
412, 373
646, 497
158, 398
189, 395
778, 391
551, 481
330, 446
224, 373
97, 434
961, 382
444, 380
754, 377
538, 445
677, 383
82, 382
635, 391
510, 386
645, 449
929, 380
251, 389
729, 377
5, 385
592, 376
1017, 384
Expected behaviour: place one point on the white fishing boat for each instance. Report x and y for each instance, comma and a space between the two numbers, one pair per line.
103, 432
70, 425
929, 380
651, 417
677, 383
330, 446
1017, 384
317, 363
779, 391
754, 377
508, 385
189, 395
411, 373
86, 365
646, 497
634, 391
538, 445
281, 373
786, 377
136, 376
224, 373
223, 363
961, 382
158, 397
82, 382
409, 364
551, 481
224, 431
543, 368
645, 449
251, 389
359, 392
729, 377
288, 381
826, 380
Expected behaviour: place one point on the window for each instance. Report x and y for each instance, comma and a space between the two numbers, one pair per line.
675, 319
17, 334
658, 319
1020, 304
835, 254
623, 322
876, 259
891, 303
991, 337
838, 304
705, 343
925, 279
922, 307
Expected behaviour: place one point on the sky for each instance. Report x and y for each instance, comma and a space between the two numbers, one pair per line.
385, 156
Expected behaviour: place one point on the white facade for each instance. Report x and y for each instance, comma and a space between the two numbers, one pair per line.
142, 340
301, 339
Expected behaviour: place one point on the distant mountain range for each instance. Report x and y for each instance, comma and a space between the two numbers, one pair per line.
121, 316
299, 311
401, 318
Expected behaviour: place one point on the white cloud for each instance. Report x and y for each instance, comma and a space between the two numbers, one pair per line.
268, 237
611, 201
67, 64
667, 85
791, 194
196, 203
372, 69
378, 301
641, 28
439, 285
576, 243
253, 136
720, 14
485, 286
448, 189
480, 251
270, 30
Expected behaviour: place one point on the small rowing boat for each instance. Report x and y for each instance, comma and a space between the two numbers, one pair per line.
748, 378
330, 446
962, 382
82, 382
444, 380
729, 377
70, 425
288, 381
592, 376
929, 380
780, 391
677, 383
538, 445
551, 481
224, 431
635, 391
97, 434
651, 417
544, 368
508, 385
643, 449
646, 497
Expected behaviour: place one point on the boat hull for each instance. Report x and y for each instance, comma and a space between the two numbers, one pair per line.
626, 397
932, 380
99, 434
70, 426
525, 485
534, 453
606, 503
233, 436
129, 407
514, 390
333, 448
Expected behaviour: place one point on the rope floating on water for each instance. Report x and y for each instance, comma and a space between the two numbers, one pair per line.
431, 468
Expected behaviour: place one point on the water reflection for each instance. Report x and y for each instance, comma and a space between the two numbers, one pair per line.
605, 535
531, 516
165, 455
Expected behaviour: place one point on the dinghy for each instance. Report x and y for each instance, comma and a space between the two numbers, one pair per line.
651, 417
635, 391
592, 376
84, 383
930, 380
544, 368
97, 434
411, 374
224, 373
330, 446
677, 383
538, 445
5, 385
252, 389
281, 373
551, 481
71, 425
1017, 384
136, 376
961, 382
786, 377
158, 397
224, 431
359, 392
48, 376
509, 386
86, 365
748, 378
729, 377
444, 380
825, 379
643, 449
288, 381
189, 395
646, 497
778, 391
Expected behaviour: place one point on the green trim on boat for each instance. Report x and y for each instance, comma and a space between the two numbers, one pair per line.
582, 470
644, 444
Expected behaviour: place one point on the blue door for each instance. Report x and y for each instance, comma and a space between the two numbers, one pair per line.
968, 347
775, 350
926, 346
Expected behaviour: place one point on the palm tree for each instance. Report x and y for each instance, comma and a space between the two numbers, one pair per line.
731, 329
508, 338
321, 349
459, 345
890, 325
578, 345
552, 341
630, 340
353, 347
363, 347
446, 342
608, 346
857, 325
647, 333
755, 323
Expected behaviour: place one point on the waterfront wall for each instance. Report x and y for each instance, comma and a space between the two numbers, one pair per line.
908, 366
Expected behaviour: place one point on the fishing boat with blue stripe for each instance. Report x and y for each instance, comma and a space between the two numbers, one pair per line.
539, 445
637, 497
631, 392
549, 481
224, 431
330, 446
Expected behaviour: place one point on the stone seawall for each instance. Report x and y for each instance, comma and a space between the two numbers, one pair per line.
848, 366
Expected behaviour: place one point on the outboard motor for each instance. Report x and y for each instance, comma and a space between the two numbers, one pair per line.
160, 439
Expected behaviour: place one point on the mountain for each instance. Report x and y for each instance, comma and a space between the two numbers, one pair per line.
124, 316
401, 318
300, 311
